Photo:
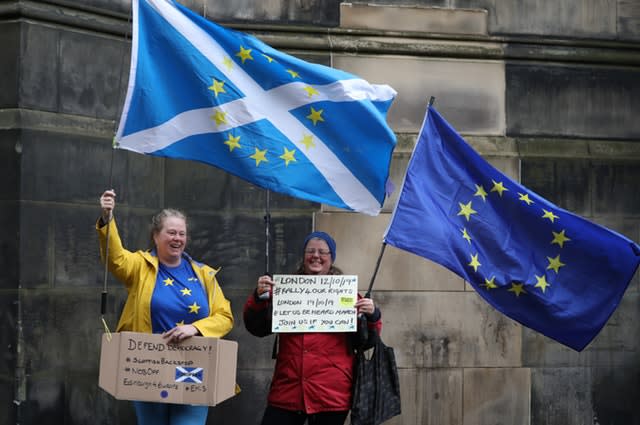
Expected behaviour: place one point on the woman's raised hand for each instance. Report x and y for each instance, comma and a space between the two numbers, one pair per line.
107, 204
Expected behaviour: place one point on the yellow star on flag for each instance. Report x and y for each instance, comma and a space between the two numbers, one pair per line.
559, 238
524, 197
219, 117
466, 210
269, 58
168, 282
288, 156
186, 291
228, 62
259, 156
474, 262
555, 264
244, 54
307, 140
180, 323
542, 282
217, 87
311, 91
550, 215
480, 192
232, 142
517, 288
498, 187
193, 308
465, 234
316, 116
490, 283
293, 73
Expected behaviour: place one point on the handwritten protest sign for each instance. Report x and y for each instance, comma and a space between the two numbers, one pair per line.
310, 303
141, 366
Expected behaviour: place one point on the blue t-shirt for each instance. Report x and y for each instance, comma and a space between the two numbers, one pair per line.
179, 298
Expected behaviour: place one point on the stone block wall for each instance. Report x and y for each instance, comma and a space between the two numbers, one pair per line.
546, 91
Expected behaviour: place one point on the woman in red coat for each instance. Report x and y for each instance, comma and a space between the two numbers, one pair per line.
313, 377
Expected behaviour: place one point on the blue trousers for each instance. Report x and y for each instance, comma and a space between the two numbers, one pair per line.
149, 413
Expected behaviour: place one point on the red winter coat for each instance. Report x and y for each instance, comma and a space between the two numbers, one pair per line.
314, 371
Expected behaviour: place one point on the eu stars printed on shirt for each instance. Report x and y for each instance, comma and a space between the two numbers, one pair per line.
545, 267
203, 92
179, 298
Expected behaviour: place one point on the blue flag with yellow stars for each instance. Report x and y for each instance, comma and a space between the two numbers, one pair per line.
545, 267
202, 92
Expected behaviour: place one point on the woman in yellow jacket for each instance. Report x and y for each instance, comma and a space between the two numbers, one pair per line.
168, 293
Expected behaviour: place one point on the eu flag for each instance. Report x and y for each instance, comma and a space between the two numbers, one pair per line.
545, 267
202, 92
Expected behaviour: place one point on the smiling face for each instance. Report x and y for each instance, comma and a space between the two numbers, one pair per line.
171, 240
317, 257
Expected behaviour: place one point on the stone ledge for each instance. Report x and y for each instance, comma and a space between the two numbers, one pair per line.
541, 147
354, 40
578, 148
414, 19
492, 146
27, 119
93, 20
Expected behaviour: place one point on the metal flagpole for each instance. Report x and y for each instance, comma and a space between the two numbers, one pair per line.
384, 244
103, 298
267, 238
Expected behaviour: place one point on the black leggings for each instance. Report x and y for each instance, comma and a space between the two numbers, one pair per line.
276, 416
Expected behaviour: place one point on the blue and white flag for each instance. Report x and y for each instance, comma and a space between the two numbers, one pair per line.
549, 269
202, 92
189, 374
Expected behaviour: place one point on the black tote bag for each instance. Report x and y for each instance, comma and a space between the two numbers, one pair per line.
376, 389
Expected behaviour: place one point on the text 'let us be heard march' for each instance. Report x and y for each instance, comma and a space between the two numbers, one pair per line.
303, 303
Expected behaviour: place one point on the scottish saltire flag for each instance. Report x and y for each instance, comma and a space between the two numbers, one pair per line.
545, 267
192, 375
203, 92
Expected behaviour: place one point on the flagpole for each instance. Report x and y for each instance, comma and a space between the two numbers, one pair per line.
432, 100
375, 271
363, 329
267, 226
114, 146
267, 237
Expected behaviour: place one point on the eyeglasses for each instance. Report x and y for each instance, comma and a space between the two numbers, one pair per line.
321, 252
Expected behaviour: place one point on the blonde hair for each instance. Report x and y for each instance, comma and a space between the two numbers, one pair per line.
157, 221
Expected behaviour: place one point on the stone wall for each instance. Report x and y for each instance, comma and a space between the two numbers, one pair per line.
547, 91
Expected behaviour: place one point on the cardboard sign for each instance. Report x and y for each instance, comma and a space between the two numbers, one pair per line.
314, 303
140, 366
